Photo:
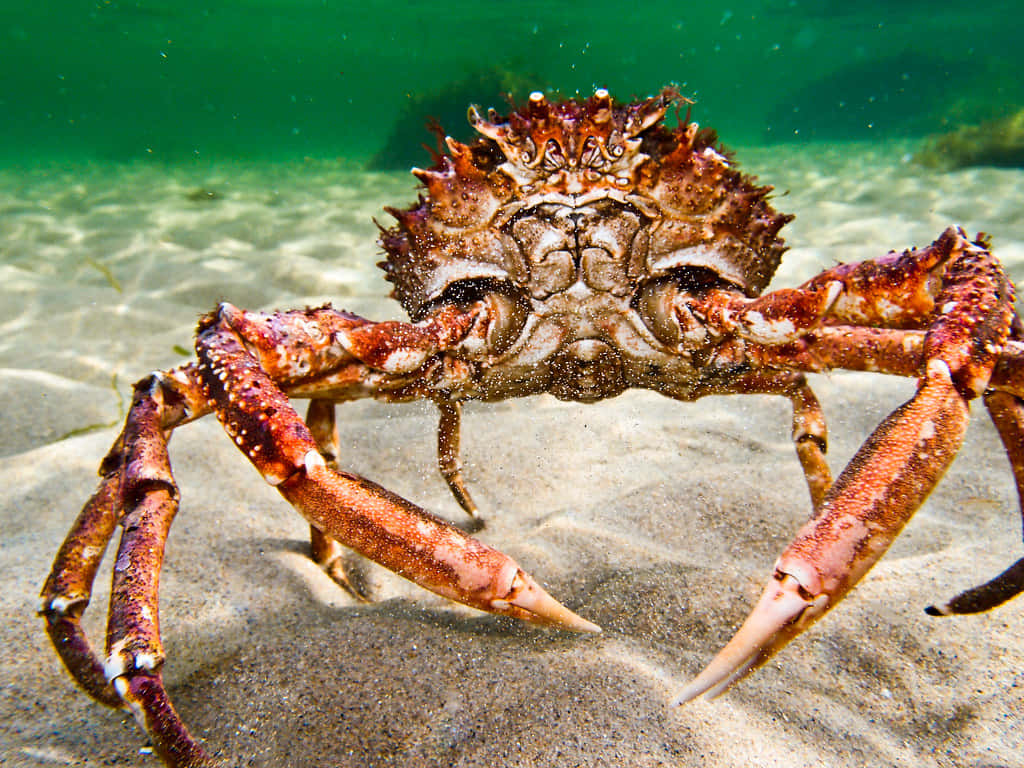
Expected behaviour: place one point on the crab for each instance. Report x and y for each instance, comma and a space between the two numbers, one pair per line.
577, 248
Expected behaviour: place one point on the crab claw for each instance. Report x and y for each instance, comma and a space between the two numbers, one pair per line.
527, 600
420, 547
859, 517
785, 609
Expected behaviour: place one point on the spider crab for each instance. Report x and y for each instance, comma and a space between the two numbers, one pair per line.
577, 248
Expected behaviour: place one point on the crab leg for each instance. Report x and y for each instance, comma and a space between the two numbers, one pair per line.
852, 348
68, 588
334, 353
899, 352
139, 492
810, 435
356, 512
448, 438
135, 654
984, 597
860, 516
889, 477
1009, 373
1007, 412
325, 551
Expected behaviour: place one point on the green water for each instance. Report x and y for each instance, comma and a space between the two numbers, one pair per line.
179, 80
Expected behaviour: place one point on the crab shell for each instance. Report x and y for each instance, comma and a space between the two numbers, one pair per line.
593, 192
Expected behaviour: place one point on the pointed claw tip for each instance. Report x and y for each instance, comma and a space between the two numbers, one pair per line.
688, 694
589, 626
552, 612
531, 602
770, 625
716, 679
712, 682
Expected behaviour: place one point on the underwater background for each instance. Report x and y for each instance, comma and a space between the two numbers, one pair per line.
124, 80
158, 157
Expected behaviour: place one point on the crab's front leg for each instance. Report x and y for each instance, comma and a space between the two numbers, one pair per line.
244, 357
900, 463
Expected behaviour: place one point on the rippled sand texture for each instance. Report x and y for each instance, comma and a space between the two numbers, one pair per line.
656, 519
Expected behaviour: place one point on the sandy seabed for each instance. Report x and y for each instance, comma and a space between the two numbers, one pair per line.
658, 520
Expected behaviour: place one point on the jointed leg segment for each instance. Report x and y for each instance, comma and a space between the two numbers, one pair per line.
902, 460
1007, 412
326, 552
448, 439
138, 492
240, 376
354, 511
68, 589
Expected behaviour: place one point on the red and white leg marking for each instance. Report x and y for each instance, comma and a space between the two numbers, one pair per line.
244, 357
68, 588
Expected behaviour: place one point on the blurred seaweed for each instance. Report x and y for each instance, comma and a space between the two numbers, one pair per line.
997, 143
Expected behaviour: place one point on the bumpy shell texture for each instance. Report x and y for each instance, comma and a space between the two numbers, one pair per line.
589, 190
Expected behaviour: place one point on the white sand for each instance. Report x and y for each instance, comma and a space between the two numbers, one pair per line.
656, 519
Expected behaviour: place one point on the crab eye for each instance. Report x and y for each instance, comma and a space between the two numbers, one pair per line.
528, 151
